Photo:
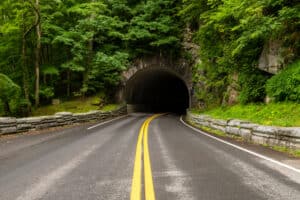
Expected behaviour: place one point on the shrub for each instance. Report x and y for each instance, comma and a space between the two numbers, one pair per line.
252, 86
1, 108
285, 86
9, 94
46, 93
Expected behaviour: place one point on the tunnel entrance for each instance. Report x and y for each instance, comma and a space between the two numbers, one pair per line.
156, 90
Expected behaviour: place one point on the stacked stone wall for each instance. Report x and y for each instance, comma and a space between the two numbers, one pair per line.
9, 125
269, 135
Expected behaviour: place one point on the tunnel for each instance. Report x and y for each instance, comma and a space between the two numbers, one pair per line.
156, 90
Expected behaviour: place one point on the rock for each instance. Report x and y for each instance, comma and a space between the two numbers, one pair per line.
268, 99
8, 130
246, 134
259, 140
232, 130
32, 120
232, 90
248, 125
289, 131
235, 122
271, 59
266, 129
219, 122
95, 112
217, 127
23, 127
7, 120
55, 101
64, 114
204, 123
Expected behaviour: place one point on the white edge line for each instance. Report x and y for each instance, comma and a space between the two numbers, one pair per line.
115, 119
242, 149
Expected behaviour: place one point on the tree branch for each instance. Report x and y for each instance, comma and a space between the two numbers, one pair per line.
38, 19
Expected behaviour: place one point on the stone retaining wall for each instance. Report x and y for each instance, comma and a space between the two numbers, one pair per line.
10, 125
270, 135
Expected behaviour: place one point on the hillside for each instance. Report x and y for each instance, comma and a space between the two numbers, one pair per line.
242, 51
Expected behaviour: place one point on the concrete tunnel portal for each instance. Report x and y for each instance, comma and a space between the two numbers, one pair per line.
157, 90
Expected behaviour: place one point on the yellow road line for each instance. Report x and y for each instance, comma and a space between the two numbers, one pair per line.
137, 171
149, 188
136, 180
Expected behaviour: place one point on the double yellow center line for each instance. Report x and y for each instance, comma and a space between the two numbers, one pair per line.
142, 144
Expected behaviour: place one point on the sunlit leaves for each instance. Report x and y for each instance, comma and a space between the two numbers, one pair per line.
154, 25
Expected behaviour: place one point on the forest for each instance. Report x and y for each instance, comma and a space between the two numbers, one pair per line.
77, 48
67, 48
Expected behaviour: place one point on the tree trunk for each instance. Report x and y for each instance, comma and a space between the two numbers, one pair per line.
68, 83
89, 60
7, 111
24, 67
37, 54
89, 64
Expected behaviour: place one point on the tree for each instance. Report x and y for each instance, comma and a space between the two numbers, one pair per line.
9, 92
37, 51
155, 27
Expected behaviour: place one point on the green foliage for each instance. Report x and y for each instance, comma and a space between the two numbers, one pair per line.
108, 67
284, 149
50, 70
9, 94
110, 107
252, 86
77, 105
209, 85
231, 34
47, 92
85, 44
285, 86
192, 10
154, 27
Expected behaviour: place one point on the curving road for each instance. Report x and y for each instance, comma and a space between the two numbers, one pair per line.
97, 162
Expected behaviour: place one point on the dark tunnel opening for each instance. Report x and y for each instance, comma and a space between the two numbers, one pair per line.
157, 90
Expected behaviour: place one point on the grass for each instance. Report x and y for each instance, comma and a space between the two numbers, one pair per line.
110, 107
213, 131
292, 152
74, 106
276, 114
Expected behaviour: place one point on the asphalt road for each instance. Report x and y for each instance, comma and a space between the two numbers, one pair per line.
97, 163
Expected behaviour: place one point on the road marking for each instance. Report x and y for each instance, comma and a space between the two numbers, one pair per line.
137, 170
242, 149
136, 180
38, 190
115, 119
149, 188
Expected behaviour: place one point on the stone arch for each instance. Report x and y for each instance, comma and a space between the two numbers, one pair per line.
157, 84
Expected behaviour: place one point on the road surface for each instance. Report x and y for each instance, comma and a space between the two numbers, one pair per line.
115, 160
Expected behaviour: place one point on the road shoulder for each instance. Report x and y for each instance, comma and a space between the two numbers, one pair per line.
282, 157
